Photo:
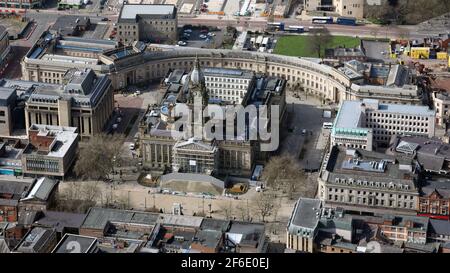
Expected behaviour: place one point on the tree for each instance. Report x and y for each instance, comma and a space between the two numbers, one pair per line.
297, 87
78, 197
280, 168
243, 211
318, 41
264, 204
98, 157
283, 172
226, 210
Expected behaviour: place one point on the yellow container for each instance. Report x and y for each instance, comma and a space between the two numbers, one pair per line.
420, 53
442, 55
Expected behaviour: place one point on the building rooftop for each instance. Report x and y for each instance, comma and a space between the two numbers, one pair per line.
305, 217
82, 87
69, 24
6, 93
96, 218
41, 189
59, 220
246, 234
12, 191
430, 152
215, 224
225, 72
440, 227
442, 187
397, 173
64, 139
208, 238
351, 113
180, 220
131, 11
35, 240
72, 243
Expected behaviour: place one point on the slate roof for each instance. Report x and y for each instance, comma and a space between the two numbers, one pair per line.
97, 218
440, 227
41, 189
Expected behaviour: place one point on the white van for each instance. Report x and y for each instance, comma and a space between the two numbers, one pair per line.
327, 125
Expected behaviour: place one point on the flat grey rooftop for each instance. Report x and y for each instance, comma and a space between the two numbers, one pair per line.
224, 72
392, 172
349, 115
60, 220
350, 112
131, 10
71, 243
6, 93
97, 218
305, 213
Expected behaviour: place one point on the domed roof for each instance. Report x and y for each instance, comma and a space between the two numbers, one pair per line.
197, 74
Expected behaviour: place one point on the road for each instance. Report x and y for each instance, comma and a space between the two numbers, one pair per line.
260, 23
253, 23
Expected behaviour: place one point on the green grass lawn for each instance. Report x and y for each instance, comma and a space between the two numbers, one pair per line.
298, 45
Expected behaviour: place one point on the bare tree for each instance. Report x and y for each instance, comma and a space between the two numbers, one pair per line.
264, 205
98, 157
227, 210
318, 41
243, 211
78, 197
280, 168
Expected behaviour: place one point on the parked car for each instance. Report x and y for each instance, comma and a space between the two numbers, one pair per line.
210, 34
104, 19
188, 30
202, 36
182, 43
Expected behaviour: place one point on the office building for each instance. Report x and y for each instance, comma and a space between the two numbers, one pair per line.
85, 100
8, 100
51, 150
370, 182
147, 22
368, 124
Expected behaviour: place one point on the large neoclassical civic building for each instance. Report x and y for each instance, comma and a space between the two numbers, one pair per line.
138, 63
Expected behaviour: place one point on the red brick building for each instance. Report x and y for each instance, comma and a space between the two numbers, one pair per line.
10, 194
435, 199
18, 196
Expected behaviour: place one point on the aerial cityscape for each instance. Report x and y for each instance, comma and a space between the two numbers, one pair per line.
224, 126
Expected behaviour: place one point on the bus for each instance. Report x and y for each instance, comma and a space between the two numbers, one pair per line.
279, 26
296, 29
322, 20
349, 21
327, 125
